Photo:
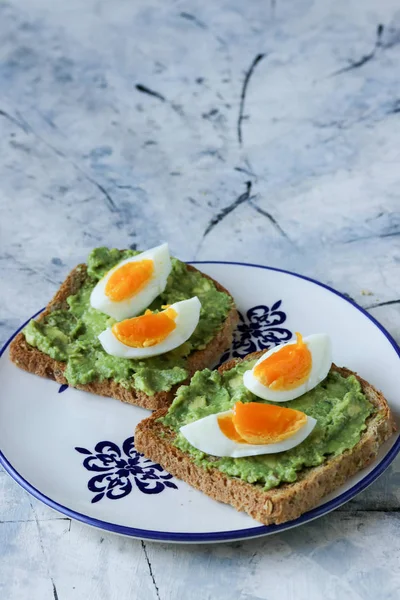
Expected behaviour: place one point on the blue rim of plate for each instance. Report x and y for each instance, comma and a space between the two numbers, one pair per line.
219, 536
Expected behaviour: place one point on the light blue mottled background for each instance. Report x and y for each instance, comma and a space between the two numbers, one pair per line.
311, 183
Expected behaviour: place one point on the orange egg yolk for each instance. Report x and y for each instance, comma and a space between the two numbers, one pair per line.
129, 279
287, 368
227, 427
148, 330
258, 423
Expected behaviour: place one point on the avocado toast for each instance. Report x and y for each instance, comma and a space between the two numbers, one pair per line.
62, 344
353, 422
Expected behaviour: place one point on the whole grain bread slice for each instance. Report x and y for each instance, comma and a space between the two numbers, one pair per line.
31, 359
289, 500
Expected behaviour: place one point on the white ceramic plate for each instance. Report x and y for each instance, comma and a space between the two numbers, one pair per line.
75, 451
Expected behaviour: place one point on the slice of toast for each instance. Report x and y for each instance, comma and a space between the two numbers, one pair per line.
33, 360
287, 501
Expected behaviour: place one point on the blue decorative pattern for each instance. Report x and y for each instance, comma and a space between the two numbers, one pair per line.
117, 471
259, 329
63, 387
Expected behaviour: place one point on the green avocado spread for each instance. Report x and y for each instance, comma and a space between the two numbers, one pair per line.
337, 403
70, 334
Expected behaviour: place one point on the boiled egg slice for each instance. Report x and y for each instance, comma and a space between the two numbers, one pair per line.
132, 285
153, 333
290, 370
249, 429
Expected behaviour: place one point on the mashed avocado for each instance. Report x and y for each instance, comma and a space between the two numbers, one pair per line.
70, 335
338, 405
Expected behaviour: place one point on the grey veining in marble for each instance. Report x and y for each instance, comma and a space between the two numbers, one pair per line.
264, 131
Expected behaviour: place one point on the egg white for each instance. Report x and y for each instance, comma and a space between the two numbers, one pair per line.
319, 345
133, 306
188, 315
206, 435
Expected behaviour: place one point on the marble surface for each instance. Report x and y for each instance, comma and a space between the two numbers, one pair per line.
266, 132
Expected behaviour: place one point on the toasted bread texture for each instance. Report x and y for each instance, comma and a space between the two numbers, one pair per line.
33, 360
289, 500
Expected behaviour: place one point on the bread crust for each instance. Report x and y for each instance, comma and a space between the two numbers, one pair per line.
288, 501
33, 360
